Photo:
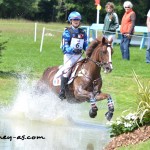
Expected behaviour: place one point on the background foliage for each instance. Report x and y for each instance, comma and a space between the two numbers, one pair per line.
58, 10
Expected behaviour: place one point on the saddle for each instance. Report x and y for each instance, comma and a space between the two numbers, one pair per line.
74, 68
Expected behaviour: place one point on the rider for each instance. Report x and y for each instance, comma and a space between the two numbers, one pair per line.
74, 40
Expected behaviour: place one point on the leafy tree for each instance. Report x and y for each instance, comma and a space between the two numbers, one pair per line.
58, 10
18, 8
141, 10
46, 10
63, 8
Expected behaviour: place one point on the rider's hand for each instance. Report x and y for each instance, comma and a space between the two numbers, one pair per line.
77, 51
69, 50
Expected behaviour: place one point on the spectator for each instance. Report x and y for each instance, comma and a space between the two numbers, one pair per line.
74, 40
148, 39
127, 29
111, 22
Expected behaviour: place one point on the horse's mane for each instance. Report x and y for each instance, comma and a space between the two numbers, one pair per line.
92, 46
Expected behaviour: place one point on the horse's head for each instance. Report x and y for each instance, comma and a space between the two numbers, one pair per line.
105, 54
100, 52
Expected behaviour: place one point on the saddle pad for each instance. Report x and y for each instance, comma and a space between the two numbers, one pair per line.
57, 77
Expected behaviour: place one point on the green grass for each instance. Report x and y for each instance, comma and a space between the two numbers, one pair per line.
22, 56
140, 146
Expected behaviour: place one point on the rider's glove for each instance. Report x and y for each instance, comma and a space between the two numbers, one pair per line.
77, 51
69, 50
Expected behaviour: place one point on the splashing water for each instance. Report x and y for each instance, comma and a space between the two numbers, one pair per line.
43, 107
45, 115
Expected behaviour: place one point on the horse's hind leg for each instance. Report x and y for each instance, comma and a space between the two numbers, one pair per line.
110, 104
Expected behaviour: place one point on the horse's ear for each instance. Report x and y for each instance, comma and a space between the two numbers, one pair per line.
110, 40
103, 40
98, 40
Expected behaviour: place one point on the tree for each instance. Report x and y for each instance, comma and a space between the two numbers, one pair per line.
18, 8
46, 10
63, 8
58, 10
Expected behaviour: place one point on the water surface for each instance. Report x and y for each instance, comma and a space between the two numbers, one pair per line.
43, 122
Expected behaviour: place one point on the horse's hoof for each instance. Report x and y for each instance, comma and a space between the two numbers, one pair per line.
94, 109
109, 115
92, 113
62, 98
62, 95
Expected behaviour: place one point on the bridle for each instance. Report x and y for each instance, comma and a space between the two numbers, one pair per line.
100, 64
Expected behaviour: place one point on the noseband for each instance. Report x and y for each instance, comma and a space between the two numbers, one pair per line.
99, 64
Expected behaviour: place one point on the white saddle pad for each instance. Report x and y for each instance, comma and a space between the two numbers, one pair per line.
57, 77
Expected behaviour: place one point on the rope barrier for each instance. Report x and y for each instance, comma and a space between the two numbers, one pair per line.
53, 30
46, 29
134, 35
43, 34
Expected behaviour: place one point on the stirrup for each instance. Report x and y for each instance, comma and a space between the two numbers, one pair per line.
62, 95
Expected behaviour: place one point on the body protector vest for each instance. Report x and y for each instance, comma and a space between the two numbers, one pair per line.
75, 41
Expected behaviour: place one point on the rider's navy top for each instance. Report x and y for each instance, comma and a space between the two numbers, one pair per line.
74, 40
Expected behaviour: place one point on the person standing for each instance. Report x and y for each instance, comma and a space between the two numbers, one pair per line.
111, 22
127, 29
148, 38
74, 40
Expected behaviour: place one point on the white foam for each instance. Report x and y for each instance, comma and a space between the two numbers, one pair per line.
30, 104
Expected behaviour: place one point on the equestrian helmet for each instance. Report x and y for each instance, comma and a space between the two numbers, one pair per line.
74, 15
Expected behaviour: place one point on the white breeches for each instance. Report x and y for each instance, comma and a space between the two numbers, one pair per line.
69, 61
111, 36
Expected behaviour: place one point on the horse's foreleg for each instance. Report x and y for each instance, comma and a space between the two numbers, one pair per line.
87, 96
101, 96
110, 104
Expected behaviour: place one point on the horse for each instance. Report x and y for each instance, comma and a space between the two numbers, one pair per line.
87, 83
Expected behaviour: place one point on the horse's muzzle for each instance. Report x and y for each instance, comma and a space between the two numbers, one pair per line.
107, 68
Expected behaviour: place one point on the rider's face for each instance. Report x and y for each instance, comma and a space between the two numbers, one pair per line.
75, 23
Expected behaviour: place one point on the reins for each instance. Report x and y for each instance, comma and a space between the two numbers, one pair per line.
99, 64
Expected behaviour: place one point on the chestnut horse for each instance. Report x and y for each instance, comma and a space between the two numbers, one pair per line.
87, 82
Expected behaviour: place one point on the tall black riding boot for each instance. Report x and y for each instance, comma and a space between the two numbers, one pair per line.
62, 93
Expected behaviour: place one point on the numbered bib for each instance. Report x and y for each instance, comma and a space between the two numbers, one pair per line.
77, 43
